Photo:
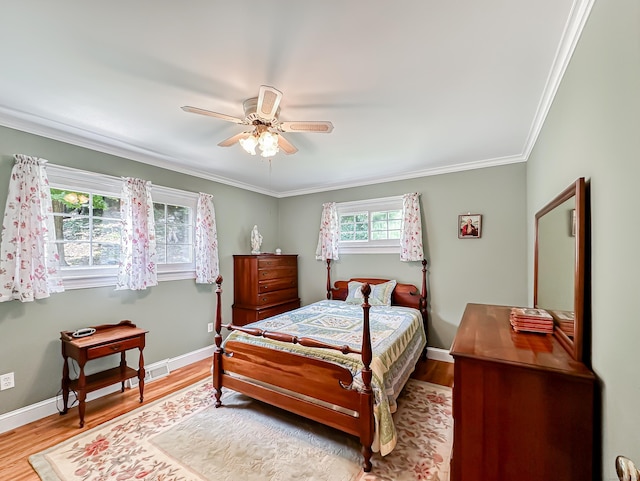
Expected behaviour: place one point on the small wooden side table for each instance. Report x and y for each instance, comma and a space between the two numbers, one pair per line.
107, 340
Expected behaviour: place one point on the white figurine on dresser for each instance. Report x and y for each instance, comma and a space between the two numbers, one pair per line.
256, 240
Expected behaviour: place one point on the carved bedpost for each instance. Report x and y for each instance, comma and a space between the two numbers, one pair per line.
423, 292
366, 410
217, 351
328, 278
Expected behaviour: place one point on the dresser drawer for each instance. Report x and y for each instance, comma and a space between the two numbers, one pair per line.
277, 296
273, 311
277, 261
271, 285
277, 272
112, 348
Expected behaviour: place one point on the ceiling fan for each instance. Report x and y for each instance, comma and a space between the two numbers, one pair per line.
261, 114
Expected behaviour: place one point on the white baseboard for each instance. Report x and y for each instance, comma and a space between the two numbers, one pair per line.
33, 412
438, 354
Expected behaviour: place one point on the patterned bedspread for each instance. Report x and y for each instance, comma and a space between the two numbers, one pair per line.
397, 338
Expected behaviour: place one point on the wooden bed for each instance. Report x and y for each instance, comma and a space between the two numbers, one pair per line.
306, 386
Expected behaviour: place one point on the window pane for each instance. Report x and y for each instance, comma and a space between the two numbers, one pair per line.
106, 230
378, 216
179, 215
161, 249
158, 213
347, 219
179, 234
74, 254
377, 226
179, 253
346, 236
72, 228
106, 207
106, 254
379, 235
362, 236
69, 202
161, 230
395, 224
362, 217
395, 214
394, 234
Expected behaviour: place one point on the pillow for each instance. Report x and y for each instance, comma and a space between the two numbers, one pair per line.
380, 293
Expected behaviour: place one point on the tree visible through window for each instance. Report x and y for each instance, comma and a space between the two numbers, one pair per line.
87, 228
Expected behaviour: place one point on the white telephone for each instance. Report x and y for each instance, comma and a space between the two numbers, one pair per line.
85, 331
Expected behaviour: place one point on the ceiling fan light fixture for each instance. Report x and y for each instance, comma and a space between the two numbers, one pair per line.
249, 144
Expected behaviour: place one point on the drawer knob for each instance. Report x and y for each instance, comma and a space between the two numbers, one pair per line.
115, 348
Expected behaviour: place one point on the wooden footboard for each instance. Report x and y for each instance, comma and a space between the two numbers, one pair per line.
308, 387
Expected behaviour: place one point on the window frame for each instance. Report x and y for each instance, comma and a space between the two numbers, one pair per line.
67, 178
386, 246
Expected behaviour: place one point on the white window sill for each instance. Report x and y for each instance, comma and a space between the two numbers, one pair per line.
71, 282
369, 249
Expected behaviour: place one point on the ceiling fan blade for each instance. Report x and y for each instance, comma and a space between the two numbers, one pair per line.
268, 102
228, 118
233, 139
286, 146
319, 126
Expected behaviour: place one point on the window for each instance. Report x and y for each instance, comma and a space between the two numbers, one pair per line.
174, 229
86, 210
370, 226
87, 228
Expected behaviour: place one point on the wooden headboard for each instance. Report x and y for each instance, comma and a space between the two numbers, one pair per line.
406, 295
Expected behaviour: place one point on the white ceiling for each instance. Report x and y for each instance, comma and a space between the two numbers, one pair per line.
413, 87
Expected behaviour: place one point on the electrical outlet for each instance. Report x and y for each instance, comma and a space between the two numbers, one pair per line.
6, 381
210, 327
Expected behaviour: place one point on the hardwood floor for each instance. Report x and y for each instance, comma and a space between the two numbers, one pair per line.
18, 444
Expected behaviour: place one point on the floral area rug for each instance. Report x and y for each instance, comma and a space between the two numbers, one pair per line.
182, 437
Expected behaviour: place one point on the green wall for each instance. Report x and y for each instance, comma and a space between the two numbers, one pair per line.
176, 313
486, 270
593, 130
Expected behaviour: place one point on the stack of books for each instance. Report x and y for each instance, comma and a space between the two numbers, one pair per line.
566, 321
531, 320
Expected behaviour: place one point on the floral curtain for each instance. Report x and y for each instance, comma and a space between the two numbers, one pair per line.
329, 233
207, 267
137, 269
29, 261
411, 235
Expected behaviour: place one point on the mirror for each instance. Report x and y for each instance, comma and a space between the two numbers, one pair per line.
559, 265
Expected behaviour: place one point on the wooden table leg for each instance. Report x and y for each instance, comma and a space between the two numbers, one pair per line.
82, 393
65, 384
141, 375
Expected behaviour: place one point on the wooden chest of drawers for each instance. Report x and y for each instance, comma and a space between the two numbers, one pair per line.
264, 285
523, 408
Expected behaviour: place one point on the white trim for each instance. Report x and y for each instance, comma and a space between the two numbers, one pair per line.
578, 16
39, 410
438, 354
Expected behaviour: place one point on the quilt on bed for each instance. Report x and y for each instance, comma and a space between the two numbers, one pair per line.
397, 338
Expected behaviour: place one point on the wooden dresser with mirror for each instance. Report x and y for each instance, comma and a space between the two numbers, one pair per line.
523, 402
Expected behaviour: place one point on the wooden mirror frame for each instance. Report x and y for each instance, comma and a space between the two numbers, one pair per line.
578, 190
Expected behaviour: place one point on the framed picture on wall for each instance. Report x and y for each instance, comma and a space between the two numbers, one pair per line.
469, 226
